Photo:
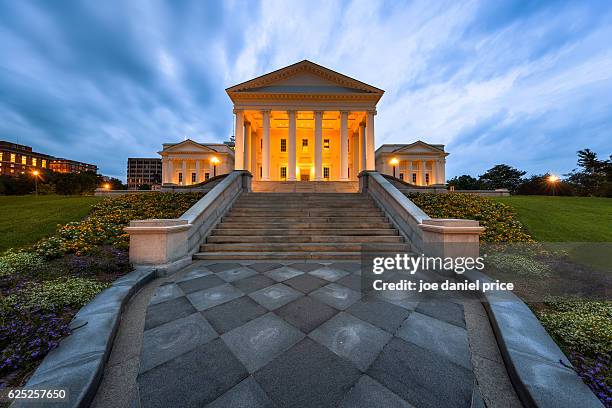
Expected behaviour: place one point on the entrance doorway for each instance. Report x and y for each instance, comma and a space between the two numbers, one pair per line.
305, 174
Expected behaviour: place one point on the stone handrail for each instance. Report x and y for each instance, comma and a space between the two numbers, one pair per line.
433, 237
169, 244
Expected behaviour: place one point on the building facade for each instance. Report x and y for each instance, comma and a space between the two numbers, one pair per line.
304, 122
18, 159
418, 163
61, 165
143, 171
190, 162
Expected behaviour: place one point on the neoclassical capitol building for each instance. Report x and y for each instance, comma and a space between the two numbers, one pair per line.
304, 123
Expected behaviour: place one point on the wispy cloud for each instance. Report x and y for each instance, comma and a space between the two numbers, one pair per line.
525, 83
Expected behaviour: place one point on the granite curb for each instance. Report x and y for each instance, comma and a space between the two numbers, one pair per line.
541, 374
78, 363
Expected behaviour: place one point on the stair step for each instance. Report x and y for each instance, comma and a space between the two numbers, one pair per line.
305, 231
225, 239
307, 247
347, 212
332, 220
279, 256
302, 225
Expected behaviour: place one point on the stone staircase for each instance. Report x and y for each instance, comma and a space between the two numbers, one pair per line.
302, 226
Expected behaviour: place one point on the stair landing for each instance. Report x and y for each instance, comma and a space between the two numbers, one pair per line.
305, 186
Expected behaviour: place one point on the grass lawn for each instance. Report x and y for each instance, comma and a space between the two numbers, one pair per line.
26, 219
564, 219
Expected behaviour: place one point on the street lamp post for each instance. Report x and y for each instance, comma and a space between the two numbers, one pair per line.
553, 180
394, 162
214, 162
35, 173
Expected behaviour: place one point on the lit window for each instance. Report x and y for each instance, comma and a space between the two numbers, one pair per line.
326, 144
260, 172
13, 158
326, 173
427, 178
44, 163
413, 178
283, 145
283, 173
401, 176
33, 161
206, 176
180, 177
304, 145
24, 160
193, 177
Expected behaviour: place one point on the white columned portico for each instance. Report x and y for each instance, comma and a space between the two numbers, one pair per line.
370, 160
344, 146
239, 140
362, 146
291, 147
265, 151
198, 172
318, 134
247, 145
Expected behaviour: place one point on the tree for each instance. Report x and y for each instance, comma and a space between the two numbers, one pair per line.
116, 184
541, 184
502, 176
465, 182
594, 176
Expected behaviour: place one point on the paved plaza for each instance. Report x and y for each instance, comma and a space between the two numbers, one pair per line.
297, 334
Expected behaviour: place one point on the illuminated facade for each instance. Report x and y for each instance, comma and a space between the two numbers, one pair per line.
71, 166
418, 163
143, 171
18, 159
304, 122
190, 162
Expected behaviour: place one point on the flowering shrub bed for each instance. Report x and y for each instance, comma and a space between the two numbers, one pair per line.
41, 288
498, 218
583, 328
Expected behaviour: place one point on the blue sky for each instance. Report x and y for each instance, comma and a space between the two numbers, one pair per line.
526, 83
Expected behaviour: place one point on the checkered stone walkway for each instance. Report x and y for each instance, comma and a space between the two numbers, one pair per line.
300, 335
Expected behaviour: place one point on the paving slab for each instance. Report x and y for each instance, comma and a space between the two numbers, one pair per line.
438, 337
275, 296
283, 273
235, 274
445, 310
165, 312
307, 375
192, 379
261, 340
207, 298
172, 339
305, 266
233, 314
368, 393
166, 292
305, 283
194, 273
200, 283
247, 394
253, 283
351, 338
384, 315
337, 296
306, 313
220, 267
329, 273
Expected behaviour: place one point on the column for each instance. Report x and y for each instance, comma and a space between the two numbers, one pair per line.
318, 136
198, 177
170, 170
247, 145
442, 172
370, 163
355, 156
239, 141
362, 146
410, 172
423, 172
291, 147
265, 151
184, 172
343, 146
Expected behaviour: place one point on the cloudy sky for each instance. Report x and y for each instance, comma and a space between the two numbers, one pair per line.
526, 83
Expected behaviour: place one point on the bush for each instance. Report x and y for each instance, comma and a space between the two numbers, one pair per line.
520, 265
56, 295
105, 224
497, 218
13, 263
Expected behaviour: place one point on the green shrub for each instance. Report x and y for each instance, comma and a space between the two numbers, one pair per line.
497, 218
58, 294
520, 265
19, 262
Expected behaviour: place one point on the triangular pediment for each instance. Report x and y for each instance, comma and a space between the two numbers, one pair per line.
419, 147
187, 146
304, 77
